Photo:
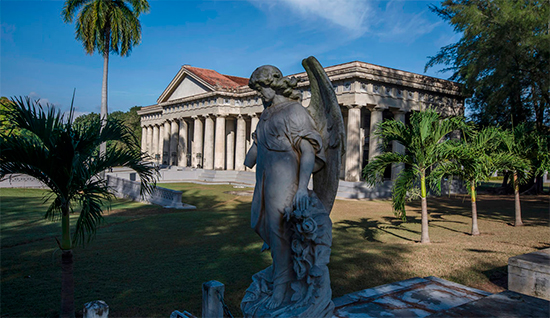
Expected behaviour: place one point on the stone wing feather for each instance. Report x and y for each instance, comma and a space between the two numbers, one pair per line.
326, 113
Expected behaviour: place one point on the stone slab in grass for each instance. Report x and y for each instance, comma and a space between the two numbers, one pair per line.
529, 274
415, 297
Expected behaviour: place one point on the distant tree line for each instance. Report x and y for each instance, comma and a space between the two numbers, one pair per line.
503, 60
130, 119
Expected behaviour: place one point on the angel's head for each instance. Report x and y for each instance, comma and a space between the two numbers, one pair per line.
268, 78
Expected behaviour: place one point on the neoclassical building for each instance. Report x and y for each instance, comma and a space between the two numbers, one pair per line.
204, 119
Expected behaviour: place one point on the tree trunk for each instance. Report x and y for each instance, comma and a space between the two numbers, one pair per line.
475, 230
104, 109
518, 221
424, 238
505, 179
540, 184
67, 284
67, 281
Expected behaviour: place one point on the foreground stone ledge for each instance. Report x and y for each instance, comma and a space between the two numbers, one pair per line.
529, 274
505, 304
415, 297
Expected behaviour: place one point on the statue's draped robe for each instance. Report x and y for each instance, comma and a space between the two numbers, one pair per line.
278, 135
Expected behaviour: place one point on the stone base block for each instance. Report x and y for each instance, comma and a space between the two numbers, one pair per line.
529, 274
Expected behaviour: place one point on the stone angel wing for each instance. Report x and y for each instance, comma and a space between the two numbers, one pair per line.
327, 115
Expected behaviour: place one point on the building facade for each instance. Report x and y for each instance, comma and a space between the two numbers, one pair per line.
204, 119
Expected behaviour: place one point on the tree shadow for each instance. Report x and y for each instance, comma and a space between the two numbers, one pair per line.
359, 264
490, 207
150, 251
498, 276
371, 228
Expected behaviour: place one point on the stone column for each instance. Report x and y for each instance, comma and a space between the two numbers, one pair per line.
396, 168
219, 146
208, 157
253, 123
230, 144
198, 137
240, 144
166, 144
174, 139
143, 139
374, 141
150, 140
182, 144
160, 142
155, 142
212, 292
353, 147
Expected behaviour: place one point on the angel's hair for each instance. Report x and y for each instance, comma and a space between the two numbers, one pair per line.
271, 76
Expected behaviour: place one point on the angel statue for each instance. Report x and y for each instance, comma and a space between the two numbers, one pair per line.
291, 143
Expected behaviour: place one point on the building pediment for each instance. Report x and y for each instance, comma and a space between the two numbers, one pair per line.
191, 81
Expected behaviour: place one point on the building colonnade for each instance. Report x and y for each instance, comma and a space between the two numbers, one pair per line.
205, 119
220, 142
206, 141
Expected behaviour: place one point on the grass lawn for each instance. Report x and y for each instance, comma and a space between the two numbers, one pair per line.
147, 261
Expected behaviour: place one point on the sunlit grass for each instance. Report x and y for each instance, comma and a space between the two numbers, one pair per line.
149, 261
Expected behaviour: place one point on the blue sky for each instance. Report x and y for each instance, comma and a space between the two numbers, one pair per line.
41, 58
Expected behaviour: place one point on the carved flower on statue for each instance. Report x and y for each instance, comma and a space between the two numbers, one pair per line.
297, 247
309, 228
300, 266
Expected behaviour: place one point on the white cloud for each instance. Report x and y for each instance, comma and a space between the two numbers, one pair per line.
387, 20
36, 97
398, 25
43, 101
349, 14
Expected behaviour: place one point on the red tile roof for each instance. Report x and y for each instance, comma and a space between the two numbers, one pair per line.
216, 79
242, 81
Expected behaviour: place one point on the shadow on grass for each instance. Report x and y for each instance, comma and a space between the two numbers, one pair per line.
145, 260
498, 276
490, 207
370, 228
358, 264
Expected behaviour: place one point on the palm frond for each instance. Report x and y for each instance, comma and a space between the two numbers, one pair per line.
404, 182
65, 158
374, 170
106, 26
91, 198
54, 210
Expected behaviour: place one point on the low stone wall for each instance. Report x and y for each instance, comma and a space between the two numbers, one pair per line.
529, 274
20, 181
361, 190
161, 196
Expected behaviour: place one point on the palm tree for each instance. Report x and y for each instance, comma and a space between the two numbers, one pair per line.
424, 139
475, 158
521, 142
106, 26
66, 159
